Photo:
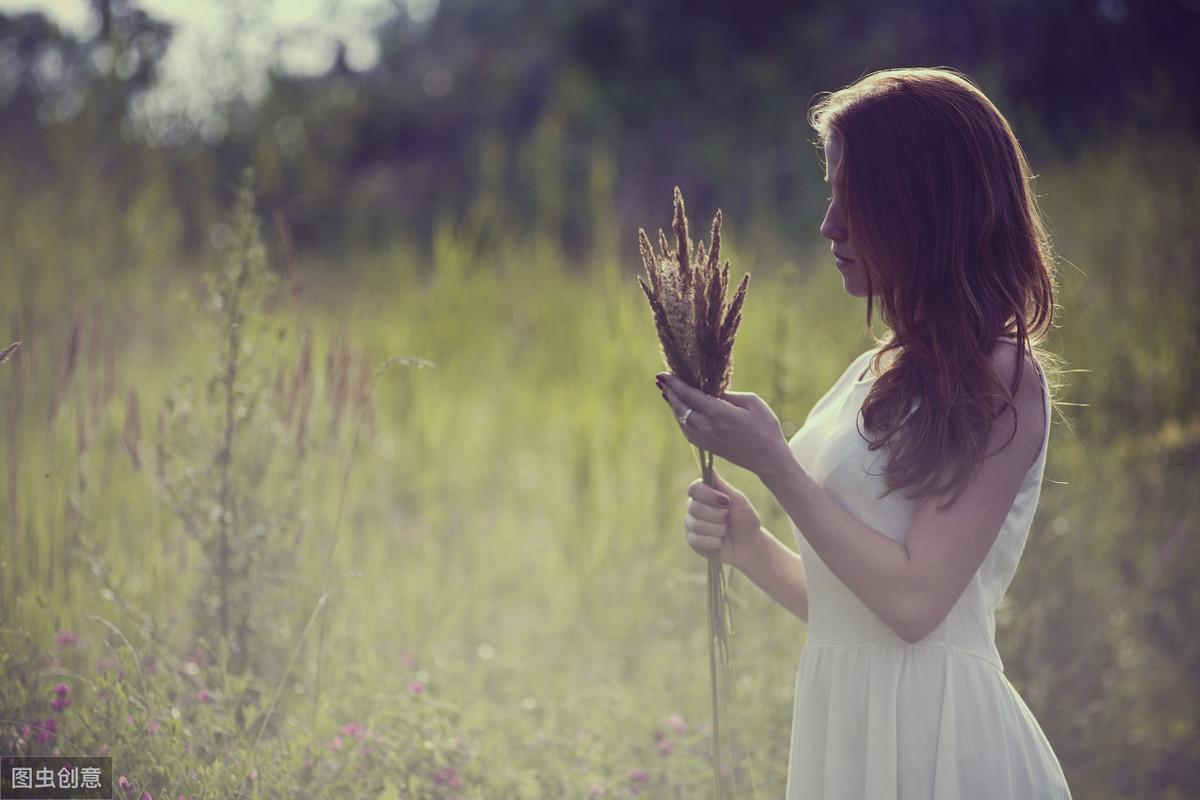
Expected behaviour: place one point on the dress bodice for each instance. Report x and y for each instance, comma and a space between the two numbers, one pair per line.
831, 449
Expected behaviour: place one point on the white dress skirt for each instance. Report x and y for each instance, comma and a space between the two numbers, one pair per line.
879, 718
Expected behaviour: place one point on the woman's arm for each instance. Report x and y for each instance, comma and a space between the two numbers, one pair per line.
779, 571
872, 565
912, 586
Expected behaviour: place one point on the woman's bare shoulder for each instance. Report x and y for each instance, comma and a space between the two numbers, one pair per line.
1030, 420
1004, 362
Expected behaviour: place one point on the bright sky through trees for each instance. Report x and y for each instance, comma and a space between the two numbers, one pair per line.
221, 50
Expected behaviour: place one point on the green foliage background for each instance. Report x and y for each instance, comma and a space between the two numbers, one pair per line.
486, 568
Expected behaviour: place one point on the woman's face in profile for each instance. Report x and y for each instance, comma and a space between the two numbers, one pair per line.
833, 227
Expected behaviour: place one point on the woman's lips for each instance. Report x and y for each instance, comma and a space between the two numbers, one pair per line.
842, 262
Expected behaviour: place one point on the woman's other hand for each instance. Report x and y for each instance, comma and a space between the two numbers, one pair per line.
722, 518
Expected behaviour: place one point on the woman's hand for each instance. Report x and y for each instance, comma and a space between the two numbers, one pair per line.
721, 519
737, 426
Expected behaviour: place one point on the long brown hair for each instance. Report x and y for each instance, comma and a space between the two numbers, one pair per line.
939, 206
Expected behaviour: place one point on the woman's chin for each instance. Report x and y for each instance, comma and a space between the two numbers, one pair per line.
852, 286
852, 280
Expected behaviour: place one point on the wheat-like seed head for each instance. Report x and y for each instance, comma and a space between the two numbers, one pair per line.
8, 351
686, 291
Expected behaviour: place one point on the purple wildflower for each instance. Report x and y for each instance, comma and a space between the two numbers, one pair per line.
48, 728
448, 776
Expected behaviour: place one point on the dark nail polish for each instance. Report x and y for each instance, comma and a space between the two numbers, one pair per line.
725, 501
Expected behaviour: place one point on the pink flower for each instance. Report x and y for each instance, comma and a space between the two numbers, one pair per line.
146, 796
448, 776
204, 696
596, 790
666, 747
253, 776
124, 783
154, 726
354, 729
335, 743
66, 639
677, 723
638, 776
61, 701
416, 687
48, 728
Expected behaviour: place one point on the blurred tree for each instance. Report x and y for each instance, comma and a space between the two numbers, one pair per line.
699, 93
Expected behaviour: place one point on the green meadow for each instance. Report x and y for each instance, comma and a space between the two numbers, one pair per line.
406, 522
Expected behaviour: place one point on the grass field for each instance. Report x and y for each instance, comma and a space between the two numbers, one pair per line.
469, 578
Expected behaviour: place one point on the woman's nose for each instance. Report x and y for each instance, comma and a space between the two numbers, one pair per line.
831, 226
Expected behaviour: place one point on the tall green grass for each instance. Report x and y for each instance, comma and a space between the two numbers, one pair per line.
510, 525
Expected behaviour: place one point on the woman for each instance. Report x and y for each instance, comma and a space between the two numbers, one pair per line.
913, 482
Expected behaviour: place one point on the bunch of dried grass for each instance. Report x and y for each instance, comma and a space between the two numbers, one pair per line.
687, 293
696, 328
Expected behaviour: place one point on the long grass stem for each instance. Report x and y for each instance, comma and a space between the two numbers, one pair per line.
718, 631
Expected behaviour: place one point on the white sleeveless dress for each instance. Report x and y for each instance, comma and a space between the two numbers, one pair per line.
878, 718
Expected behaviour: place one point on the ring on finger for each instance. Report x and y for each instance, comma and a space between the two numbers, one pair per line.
683, 419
